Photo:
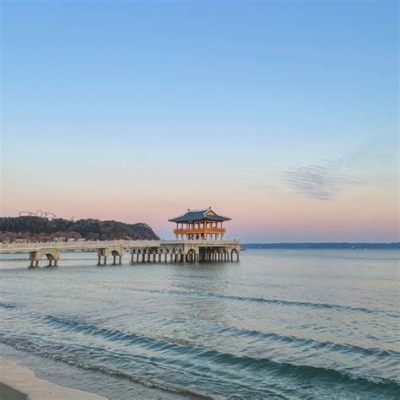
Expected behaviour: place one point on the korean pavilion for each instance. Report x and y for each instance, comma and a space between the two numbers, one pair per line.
199, 225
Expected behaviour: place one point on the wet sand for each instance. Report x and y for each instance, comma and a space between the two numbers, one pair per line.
20, 383
9, 393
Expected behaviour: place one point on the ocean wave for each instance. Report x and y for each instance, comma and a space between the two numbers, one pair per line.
192, 357
66, 357
298, 374
271, 301
165, 343
8, 306
282, 302
312, 343
179, 345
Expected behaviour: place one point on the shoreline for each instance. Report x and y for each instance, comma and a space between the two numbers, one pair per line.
20, 383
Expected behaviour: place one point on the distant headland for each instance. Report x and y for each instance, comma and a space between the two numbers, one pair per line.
34, 228
334, 245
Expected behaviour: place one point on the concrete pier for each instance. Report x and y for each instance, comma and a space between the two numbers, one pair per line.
141, 251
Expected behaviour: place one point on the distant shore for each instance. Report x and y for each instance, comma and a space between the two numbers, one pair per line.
333, 245
20, 383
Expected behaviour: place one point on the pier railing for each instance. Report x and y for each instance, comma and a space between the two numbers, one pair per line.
199, 231
98, 244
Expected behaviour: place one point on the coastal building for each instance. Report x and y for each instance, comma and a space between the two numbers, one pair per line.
200, 225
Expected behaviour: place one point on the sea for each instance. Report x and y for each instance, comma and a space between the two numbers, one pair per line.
279, 324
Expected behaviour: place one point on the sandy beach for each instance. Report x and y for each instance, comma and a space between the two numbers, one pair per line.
20, 383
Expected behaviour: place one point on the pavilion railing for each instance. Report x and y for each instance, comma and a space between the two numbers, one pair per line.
195, 231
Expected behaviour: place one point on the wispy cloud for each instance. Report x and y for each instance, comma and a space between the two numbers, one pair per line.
257, 180
319, 181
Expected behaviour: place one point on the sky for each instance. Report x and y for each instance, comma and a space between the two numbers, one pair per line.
283, 115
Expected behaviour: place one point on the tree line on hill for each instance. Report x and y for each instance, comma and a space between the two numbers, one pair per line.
33, 228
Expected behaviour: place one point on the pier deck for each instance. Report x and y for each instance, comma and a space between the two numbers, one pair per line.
149, 251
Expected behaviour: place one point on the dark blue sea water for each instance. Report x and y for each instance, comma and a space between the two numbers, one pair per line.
281, 324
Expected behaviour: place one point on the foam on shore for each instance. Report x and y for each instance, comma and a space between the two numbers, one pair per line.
20, 383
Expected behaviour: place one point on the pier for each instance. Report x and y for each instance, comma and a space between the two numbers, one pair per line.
199, 238
141, 251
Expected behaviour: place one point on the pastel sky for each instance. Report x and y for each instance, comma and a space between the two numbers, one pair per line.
283, 115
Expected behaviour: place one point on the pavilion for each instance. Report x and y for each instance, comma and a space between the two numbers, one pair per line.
199, 225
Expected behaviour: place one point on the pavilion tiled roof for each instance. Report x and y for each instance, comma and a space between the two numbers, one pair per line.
200, 215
